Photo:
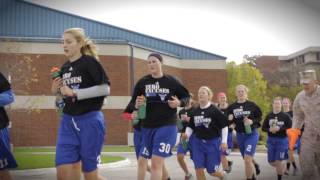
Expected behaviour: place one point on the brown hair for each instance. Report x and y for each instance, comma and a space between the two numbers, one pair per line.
156, 55
286, 99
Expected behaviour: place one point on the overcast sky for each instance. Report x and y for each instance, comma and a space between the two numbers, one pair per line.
229, 28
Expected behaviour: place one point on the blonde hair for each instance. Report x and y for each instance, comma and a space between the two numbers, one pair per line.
88, 47
278, 98
242, 86
210, 93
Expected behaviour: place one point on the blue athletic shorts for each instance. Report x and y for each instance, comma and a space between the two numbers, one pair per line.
206, 154
298, 145
81, 138
277, 149
7, 160
248, 142
230, 145
158, 141
137, 139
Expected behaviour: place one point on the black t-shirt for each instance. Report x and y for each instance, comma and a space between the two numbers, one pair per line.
207, 123
184, 123
237, 112
281, 119
290, 113
83, 73
157, 92
4, 86
225, 112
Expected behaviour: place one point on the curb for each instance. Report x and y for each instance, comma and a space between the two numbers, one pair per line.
117, 164
122, 163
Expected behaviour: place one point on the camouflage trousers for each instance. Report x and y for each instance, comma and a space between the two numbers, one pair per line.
310, 155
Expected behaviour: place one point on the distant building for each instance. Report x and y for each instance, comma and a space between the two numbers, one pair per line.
291, 65
284, 70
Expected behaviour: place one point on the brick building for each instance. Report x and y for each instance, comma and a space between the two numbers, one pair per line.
269, 67
30, 46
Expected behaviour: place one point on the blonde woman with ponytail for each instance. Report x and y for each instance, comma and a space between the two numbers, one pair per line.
84, 85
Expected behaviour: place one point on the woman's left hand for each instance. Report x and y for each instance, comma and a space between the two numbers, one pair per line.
174, 103
247, 121
224, 147
66, 91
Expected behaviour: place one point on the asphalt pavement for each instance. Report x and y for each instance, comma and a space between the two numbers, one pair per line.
127, 169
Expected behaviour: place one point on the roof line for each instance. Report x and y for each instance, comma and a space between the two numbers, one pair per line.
103, 23
96, 41
300, 52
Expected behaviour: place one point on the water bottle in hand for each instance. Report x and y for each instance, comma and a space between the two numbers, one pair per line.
142, 110
247, 127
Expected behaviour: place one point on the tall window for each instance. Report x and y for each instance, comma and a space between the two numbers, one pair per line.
318, 56
300, 59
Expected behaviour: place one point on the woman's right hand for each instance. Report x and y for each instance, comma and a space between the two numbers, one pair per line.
56, 84
134, 115
184, 136
232, 126
139, 101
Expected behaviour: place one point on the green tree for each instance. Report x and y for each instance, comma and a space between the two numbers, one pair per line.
275, 90
251, 60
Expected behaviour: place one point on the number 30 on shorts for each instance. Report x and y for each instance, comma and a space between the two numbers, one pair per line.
164, 148
3, 163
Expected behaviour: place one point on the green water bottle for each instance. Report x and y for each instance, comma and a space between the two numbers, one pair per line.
59, 104
136, 120
185, 144
179, 125
142, 111
247, 128
55, 72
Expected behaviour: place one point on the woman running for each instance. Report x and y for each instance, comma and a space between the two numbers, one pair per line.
247, 116
210, 129
183, 146
276, 124
223, 106
159, 95
84, 85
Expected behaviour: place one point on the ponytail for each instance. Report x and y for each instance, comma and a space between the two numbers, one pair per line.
89, 48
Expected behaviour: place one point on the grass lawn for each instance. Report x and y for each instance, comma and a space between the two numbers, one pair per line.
34, 161
28, 160
118, 149
53, 149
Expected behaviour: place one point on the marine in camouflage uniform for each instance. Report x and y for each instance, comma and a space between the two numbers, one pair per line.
306, 109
